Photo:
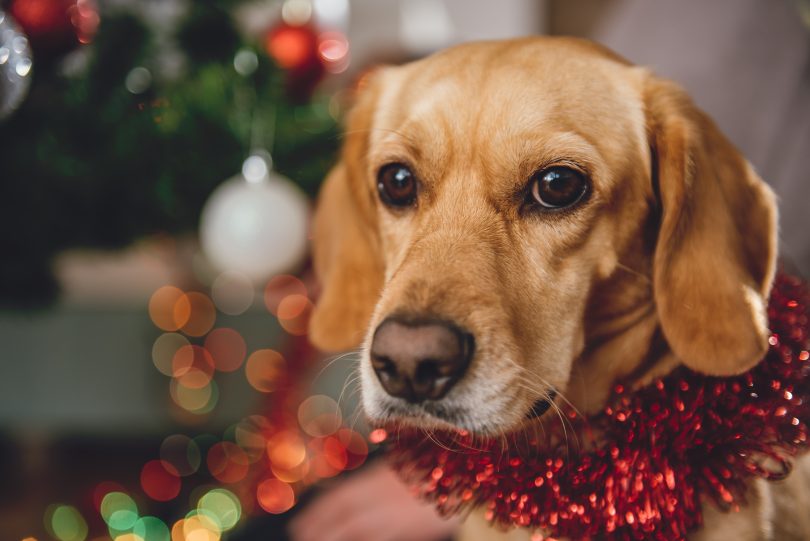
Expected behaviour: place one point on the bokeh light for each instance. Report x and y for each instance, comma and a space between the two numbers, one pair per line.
293, 314
333, 50
182, 453
264, 369
319, 416
194, 379
377, 436
291, 46
232, 292
287, 453
275, 496
286, 449
164, 349
138, 80
65, 523
227, 349
329, 456
169, 308
245, 62
129, 536
119, 511
227, 462
151, 529
191, 357
320, 447
199, 526
160, 480
223, 505
280, 287
85, 19
291, 475
296, 12
195, 400
202, 314
250, 435
101, 490
178, 530
355, 445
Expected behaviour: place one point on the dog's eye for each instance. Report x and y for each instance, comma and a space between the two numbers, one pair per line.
397, 185
558, 187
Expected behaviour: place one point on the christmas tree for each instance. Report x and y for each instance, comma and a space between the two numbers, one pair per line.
130, 123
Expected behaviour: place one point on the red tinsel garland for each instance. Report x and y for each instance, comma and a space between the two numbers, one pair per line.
661, 449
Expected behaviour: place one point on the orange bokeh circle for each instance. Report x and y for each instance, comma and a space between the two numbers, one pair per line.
264, 369
227, 349
169, 308
279, 287
227, 462
201, 314
275, 496
293, 314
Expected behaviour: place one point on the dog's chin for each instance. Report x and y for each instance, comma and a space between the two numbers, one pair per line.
426, 416
431, 416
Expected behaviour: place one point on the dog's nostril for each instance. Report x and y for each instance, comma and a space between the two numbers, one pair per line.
427, 370
383, 364
419, 360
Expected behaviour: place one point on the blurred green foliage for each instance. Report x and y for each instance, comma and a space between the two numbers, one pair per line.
86, 163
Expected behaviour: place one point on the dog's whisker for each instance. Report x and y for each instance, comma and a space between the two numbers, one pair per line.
352, 381
337, 358
560, 414
429, 433
634, 272
358, 411
542, 380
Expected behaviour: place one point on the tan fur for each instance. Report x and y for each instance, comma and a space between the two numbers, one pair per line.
669, 260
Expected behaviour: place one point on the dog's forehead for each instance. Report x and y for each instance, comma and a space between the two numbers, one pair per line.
531, 91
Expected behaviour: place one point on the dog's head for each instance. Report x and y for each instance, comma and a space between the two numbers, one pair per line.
510, 221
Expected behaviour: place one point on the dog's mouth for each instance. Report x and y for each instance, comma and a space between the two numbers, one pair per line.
437, 415
541, 406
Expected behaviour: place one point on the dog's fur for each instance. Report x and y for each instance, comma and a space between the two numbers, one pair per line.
668, 261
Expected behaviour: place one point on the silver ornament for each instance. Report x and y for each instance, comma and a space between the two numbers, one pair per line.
15, 65
256, 223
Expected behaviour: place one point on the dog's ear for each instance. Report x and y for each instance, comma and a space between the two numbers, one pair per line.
716, 250
345, 240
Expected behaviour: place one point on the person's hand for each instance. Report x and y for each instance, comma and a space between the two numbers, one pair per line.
373, 505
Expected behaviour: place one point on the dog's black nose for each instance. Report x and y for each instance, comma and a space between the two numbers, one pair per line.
419, 360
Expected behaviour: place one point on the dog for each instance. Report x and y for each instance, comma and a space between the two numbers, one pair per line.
513, 224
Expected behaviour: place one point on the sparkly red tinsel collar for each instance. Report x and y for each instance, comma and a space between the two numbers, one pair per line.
662, 450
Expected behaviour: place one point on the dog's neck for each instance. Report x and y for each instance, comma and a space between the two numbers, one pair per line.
623, 341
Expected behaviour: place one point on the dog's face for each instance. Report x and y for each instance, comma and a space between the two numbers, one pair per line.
502, 211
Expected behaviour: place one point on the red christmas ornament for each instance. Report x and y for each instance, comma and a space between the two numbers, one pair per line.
662, 450
56, 26
295, 48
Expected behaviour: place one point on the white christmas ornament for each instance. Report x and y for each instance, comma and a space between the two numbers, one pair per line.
15, 65
256, 225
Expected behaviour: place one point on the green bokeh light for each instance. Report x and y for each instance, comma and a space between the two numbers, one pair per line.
119, 511
151, 529
223, 506
65, 523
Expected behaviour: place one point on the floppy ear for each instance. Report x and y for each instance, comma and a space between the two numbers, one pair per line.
345, 243
716, 252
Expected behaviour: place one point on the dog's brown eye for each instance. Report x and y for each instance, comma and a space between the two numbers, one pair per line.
397, 185
558, 187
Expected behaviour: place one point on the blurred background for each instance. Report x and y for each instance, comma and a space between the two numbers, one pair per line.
158, 161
